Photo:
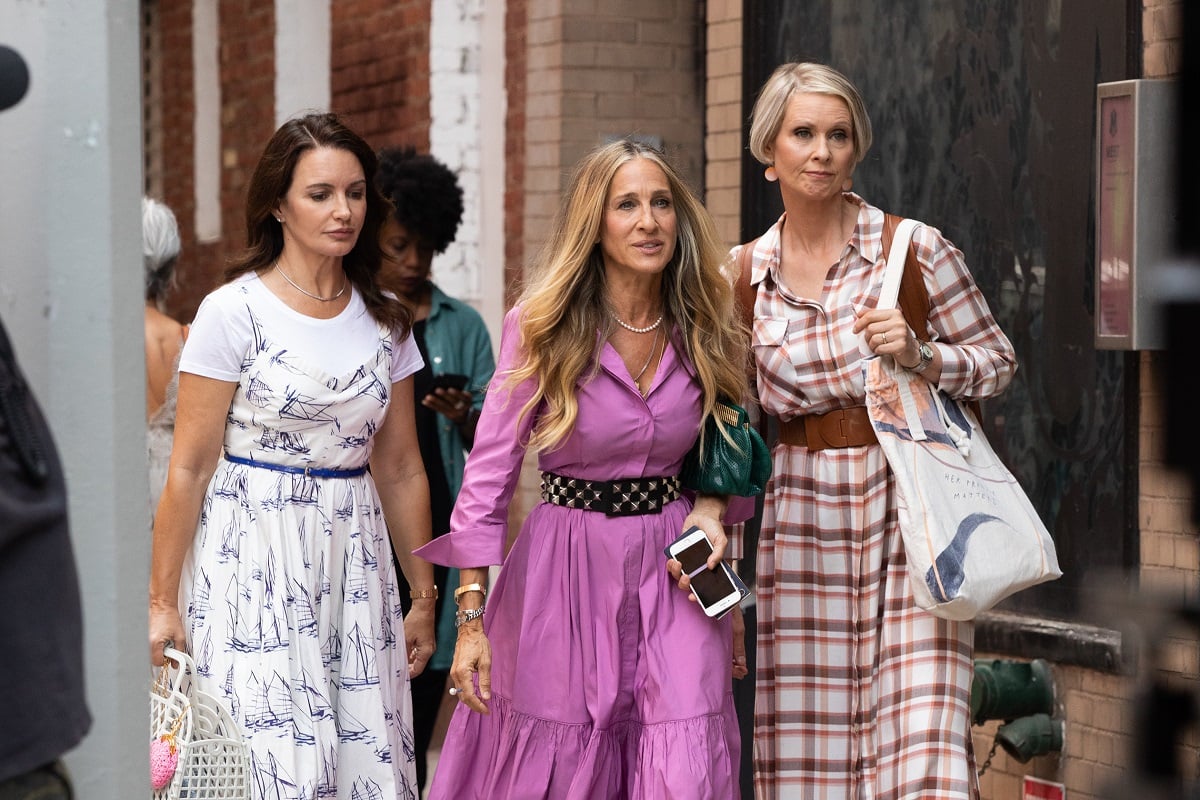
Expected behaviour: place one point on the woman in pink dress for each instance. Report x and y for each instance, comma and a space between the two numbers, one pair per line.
591, 674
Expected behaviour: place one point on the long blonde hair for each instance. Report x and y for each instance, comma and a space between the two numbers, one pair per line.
564, 304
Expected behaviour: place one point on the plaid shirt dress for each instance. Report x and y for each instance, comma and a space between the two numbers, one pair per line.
860, 694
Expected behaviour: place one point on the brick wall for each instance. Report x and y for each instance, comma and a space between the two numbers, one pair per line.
247, 63
1170, 552
176, 140
516, 63
380, 69
1099, 709
602, 69
594, 70
1162, 37
456, 136
247, 75
723, 117
379, 81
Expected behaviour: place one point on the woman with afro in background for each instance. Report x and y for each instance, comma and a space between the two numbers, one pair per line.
427, 209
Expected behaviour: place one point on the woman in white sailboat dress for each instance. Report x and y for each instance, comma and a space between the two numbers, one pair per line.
298, 570
276, 572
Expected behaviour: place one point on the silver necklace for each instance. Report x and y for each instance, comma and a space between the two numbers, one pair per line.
301, 290
653, 347
632, 329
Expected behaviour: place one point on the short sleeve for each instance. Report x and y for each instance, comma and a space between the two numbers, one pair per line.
219, 338
406, 357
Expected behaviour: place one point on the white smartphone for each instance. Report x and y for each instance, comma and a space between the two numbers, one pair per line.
717, 590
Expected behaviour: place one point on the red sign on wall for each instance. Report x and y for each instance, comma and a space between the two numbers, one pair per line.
1038, 789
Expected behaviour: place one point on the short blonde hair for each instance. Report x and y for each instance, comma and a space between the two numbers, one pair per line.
804, 78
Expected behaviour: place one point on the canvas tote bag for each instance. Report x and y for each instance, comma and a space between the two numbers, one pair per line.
971, 535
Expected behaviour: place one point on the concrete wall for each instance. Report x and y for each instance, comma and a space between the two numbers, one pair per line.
71, 296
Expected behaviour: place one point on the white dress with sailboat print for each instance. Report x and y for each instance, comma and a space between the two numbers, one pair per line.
289, 592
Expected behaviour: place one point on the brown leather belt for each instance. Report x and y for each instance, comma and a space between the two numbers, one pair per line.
842, 427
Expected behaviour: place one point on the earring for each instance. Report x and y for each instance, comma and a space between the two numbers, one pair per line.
770, 174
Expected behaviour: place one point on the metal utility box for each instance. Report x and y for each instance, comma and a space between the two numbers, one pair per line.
1135, 216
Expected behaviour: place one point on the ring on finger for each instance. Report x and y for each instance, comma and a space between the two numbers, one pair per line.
455, 691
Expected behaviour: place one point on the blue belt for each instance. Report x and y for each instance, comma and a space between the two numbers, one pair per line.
308, 472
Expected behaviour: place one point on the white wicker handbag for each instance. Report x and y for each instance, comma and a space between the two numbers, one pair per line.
196, 747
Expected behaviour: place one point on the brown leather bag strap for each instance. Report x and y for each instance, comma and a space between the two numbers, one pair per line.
914, 297
744, 294
743, 291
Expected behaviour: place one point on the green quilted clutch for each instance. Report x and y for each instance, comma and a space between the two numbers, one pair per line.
740, 467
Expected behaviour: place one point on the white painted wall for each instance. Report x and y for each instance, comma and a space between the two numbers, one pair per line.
302, 57
71, 297
206, 87
466, 65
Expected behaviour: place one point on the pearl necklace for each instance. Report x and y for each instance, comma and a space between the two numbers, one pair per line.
301, 290
632, 329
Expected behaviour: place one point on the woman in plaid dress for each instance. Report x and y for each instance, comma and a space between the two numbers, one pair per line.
860, 694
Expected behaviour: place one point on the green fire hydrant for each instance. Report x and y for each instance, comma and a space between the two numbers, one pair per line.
1022, 694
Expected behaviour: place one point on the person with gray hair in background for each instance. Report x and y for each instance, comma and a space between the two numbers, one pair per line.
164, 339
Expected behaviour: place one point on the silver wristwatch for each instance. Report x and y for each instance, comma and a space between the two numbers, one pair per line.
465, 616
926, 351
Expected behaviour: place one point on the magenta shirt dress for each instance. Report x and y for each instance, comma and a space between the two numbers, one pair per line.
606, 681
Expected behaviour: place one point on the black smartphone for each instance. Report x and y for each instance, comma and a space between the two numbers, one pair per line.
717, 590
448, 380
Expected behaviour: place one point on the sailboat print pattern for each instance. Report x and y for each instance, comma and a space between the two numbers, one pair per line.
290, 592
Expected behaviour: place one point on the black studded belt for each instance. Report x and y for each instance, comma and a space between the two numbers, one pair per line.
622, 498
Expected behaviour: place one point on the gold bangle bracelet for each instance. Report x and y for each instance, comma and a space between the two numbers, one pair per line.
470, 587
423, 594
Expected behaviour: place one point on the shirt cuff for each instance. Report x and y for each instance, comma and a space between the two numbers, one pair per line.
465, 549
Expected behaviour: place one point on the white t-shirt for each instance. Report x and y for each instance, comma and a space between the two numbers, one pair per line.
222, 335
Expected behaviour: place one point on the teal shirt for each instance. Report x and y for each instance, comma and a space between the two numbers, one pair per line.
457, 341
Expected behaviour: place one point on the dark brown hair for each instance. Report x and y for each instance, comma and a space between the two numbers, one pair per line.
270, 183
